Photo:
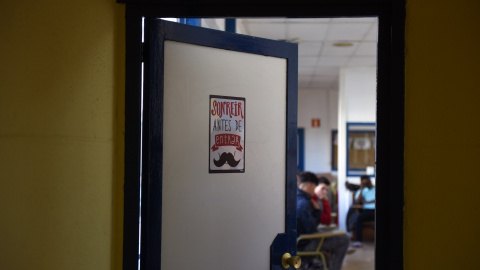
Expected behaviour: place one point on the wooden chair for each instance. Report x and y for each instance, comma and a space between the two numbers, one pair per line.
318, 253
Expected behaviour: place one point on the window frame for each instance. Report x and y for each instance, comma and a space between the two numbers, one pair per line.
357, 128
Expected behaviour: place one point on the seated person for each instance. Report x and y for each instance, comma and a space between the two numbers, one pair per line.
320, 201
307, 221
365, 196
352, 211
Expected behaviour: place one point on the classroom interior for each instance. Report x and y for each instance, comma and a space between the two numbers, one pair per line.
336, 101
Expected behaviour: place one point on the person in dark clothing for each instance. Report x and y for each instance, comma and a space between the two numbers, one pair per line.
307, 215
308, 219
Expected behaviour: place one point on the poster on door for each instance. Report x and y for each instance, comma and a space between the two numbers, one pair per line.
227, 134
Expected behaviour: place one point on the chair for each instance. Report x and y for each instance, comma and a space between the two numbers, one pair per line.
318, 253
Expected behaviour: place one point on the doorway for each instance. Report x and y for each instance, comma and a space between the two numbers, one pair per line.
389, 110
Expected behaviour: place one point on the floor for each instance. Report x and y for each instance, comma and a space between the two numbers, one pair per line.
362, 259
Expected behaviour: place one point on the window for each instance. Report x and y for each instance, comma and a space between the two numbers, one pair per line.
360, 149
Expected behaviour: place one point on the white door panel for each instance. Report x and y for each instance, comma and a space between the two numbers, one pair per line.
196, 212
217, 219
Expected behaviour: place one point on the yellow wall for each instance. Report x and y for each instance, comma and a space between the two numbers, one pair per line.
442, 134
61, 134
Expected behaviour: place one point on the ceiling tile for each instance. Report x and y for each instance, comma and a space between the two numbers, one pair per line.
347, 31
276, 31
332, 61
321, 84
303, 84
309, 48
264, 20
306, 70
332, 70
362, 62
308, 20
355, 20
330, 50
372, 34
305, 76
304, 79
319, 60
329, 79
307, 61
366, 49
307, 31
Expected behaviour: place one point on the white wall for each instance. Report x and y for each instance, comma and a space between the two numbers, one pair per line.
317, 103
357, 103
360, 94
217, 24
360, 86
241, 27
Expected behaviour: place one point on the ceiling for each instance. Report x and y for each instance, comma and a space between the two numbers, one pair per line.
319, 60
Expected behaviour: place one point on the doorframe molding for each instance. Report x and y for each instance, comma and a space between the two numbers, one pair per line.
390, 102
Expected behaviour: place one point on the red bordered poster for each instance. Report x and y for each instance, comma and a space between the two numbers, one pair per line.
227, 134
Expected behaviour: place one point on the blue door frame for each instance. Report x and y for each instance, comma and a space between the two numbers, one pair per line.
156, 33
301, 149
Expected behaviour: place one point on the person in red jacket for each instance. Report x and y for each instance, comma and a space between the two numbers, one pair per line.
320, 201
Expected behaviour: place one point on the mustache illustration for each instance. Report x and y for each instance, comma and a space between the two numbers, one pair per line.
226, 158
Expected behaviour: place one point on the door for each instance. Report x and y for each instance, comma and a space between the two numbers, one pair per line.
219, 149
